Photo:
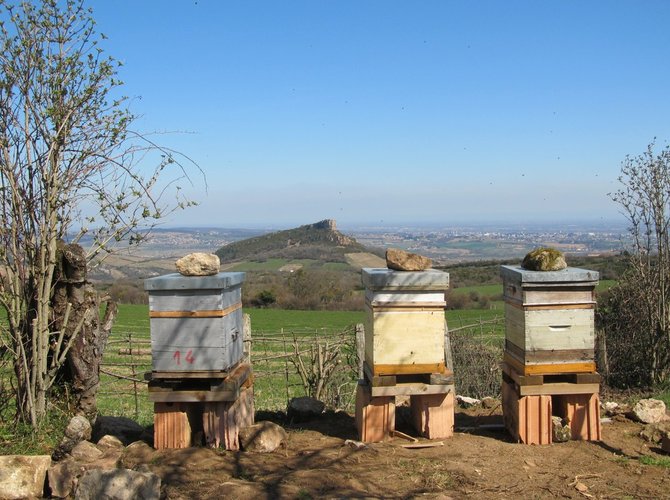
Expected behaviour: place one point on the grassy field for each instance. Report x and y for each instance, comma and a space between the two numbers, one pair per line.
135, 319
273, 333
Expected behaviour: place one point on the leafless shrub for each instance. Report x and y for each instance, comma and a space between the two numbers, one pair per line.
327, 367
476, 362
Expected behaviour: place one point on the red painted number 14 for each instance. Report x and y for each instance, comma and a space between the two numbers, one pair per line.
188, 358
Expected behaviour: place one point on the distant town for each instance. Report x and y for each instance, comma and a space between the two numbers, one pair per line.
448, 245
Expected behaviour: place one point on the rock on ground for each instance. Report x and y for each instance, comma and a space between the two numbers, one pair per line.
64, 475
654, 433
489, 403
118, 484
123, 428
198, 264
110, 442
649, 411
304, 408
466, 402
77, 430
561, 432
23, 476
544, 259
665, 444
86, 452
400, 260
263, 437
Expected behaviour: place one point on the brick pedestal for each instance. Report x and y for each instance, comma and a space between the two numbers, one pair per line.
433, 415
375, 416
582, 411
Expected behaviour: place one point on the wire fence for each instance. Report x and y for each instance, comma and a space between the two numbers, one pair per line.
323, 363
286, 363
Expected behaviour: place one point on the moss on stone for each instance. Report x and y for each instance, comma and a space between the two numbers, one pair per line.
544, 259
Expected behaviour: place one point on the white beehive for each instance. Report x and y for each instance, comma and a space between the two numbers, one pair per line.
405, 323
196, 322
549, 320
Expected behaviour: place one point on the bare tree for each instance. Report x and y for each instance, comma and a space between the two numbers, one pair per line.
69, 161
637, 316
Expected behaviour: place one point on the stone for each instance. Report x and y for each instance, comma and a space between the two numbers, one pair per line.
489, 403
654, 433
611, 408
400, 260
561, 432
135, 454
123, 428
199, 264
665, 444
23, 476
78, 429
544, 259
649, 411
63, 477
118, 484
466, 402
263, 437
85, 451
109, 442
304, 408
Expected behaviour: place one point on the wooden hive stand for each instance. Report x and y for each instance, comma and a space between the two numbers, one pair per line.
214, 405
431, 402
530, 401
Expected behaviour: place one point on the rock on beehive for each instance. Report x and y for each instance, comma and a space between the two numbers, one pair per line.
198, 264
544, 259
400, 260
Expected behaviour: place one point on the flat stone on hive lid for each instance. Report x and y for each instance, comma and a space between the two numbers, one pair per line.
400, 260
379, 278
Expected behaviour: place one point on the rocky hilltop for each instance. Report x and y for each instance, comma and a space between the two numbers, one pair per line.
320, 240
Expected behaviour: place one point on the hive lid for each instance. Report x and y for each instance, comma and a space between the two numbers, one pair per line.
176, 281
383, 278
568, 275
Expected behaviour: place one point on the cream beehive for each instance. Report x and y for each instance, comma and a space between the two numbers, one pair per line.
405, 323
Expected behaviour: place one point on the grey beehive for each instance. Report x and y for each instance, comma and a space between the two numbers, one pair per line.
196, 321
549, 320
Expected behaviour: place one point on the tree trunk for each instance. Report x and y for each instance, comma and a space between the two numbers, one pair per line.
72, 291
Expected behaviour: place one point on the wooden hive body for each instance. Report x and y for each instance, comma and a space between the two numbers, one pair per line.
549, 320
405, 321
196, 322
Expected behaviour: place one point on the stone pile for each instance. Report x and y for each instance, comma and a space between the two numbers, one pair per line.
112, 467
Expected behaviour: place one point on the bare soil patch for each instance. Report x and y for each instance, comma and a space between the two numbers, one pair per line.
476, 463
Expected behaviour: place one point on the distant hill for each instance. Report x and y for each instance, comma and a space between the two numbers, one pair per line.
321, 241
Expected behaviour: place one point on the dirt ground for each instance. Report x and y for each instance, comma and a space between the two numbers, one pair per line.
475, 463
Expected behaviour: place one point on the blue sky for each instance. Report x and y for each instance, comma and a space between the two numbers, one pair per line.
426, 112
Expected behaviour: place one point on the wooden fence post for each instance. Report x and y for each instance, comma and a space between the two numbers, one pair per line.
448, 359
601, 352
360, 348
246, 338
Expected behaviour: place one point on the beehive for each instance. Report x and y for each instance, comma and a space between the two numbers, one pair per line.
405, 322
549, 320
196, 322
